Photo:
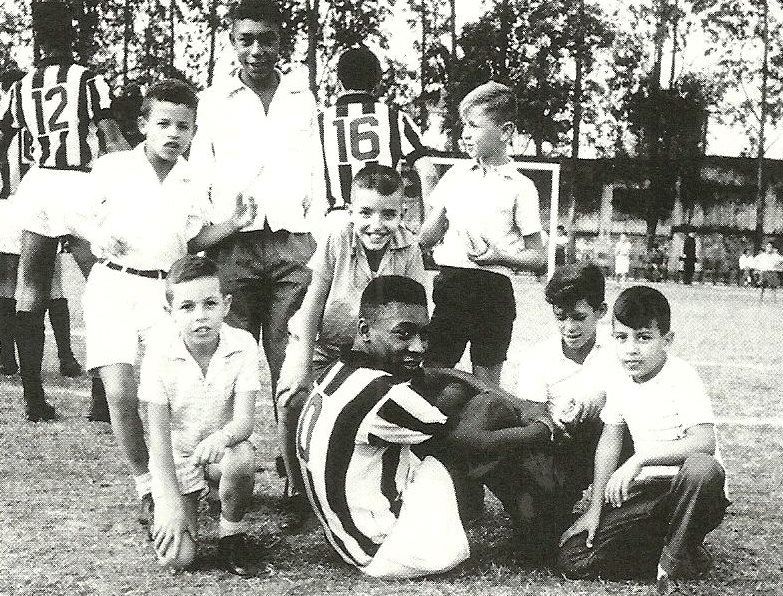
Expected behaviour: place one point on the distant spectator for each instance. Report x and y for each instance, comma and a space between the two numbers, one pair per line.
561, 245
689, 257
622, 258
769, 264
746, 265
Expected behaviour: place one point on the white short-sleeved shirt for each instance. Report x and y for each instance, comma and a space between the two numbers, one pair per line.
155, 219
546, 373
276, 156
199, 404
341, 258
660, 409
766, 261
494, 202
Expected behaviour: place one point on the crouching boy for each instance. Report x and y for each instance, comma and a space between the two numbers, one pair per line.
658, 506
201, 384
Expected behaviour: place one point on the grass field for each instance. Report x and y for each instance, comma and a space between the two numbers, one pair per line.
67, 504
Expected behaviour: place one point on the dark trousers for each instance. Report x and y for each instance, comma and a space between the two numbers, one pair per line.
267, 276
663, 522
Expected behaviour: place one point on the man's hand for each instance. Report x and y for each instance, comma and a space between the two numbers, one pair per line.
619, 486
587, 522
211, 449
169, 526
244, 212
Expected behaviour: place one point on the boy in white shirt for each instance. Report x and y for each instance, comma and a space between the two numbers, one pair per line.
486, 214
635, 519
201, 384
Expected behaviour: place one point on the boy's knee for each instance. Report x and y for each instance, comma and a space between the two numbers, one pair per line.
239, 461
183, 558
702, 469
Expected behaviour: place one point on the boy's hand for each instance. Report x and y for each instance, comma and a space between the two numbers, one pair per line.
169, 526
480, 251
587, 522
619, 486
244, 213
211, 449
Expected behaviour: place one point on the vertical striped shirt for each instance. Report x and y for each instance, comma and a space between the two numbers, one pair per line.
59, 103
15, 160
359, 130
353, 441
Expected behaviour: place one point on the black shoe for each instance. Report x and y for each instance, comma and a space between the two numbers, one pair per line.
241, 555
71, 368
296, 512
41, 411
99, 409
146, 514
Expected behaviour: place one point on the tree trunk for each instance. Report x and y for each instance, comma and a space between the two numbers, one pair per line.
127, 32
675, 22
505, 35
761, 197
172, 8
655, 157
577, 124
423, 67
212, 23
452, 104
312, 44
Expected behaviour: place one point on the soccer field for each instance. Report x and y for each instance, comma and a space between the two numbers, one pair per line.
67, 504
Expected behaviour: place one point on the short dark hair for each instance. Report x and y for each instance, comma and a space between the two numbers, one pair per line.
383, 179
170, 90
386, 289
10, 76
572, 283
497, 100
640, 306
359, 68
256, 10
52, 24
188, 268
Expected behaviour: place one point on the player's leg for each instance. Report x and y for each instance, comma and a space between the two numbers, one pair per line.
184, 556
60, 319
297, 505
36, 266
491, 325
9, 264
235, 475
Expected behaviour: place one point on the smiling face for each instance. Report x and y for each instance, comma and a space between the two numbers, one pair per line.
394, 335
257, 44
577, 324
642, 352
198, 308
169, 128
484, 139
375, 217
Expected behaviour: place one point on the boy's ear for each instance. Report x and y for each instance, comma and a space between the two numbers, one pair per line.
226, 304
602, 310
364, 329
167, 306
142, 123
508, 130
669, 338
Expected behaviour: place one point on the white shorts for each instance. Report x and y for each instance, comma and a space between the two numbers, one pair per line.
10, 232
48, 200
120, 310
428, 537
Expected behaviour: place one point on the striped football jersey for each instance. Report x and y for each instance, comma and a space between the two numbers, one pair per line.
15, 159
59, 104
353, 442
359, 130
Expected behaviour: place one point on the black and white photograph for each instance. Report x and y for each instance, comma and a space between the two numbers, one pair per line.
391, 297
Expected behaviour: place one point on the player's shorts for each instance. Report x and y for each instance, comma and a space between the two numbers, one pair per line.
120, 310
10, 232
770, 279
192, 477
47, 200
471, 305
428, 537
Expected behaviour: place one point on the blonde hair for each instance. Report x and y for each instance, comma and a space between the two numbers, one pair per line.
497, 101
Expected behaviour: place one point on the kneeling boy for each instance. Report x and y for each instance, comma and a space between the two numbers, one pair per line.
633, 523
201, 386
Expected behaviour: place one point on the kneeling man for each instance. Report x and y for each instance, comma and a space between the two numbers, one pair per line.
383, 510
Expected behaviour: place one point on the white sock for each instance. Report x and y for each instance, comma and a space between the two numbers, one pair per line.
661, 572
143, 484
229, 528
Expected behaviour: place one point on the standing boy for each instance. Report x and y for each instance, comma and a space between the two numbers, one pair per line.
486, 214
144, 218
201, 385
633, 523
258, 135
369, 241
769, 264
63, 106
359, 129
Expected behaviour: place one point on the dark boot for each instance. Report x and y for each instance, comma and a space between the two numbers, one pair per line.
8, 364
99, 410
60, 318
30, 343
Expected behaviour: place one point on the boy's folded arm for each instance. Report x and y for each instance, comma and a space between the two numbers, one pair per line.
112, 133
699, 438
434, 227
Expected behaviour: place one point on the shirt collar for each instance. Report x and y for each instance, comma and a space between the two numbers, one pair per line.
402, 238
286, 83
226, 347
507, 170
180, 170
355, 97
